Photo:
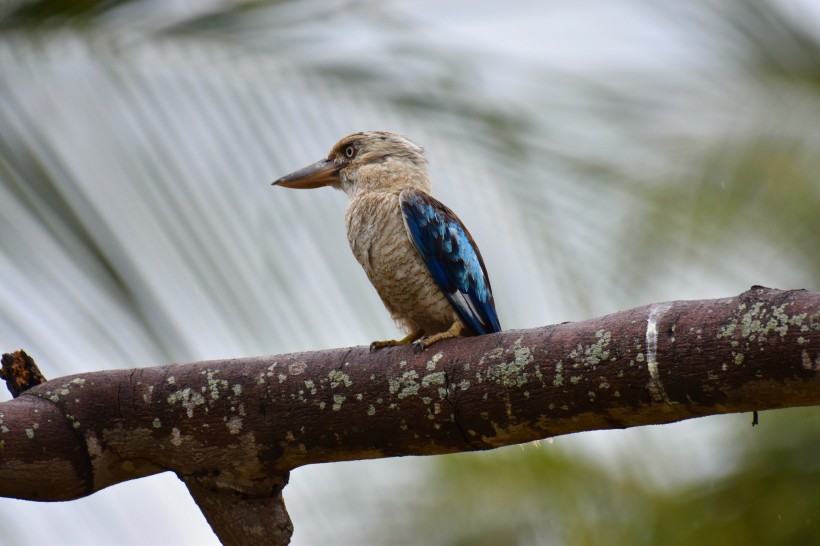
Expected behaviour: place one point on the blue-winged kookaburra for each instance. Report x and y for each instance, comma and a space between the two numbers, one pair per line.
419, 256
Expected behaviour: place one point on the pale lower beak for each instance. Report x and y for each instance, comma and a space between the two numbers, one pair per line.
321, 173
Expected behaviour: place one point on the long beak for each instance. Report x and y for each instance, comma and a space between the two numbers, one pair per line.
321, 173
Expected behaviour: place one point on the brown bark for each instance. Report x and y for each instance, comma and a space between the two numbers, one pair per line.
233, 429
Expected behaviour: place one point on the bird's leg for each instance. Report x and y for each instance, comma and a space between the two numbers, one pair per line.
454, 331
406, 340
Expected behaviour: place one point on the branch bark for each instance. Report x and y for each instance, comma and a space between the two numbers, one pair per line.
232, 429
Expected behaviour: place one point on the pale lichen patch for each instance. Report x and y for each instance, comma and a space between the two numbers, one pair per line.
559, 378
234, 424
214, 385
338, 400
156, 423
188, 399
807, 362
263, 376
738, 359
337, 378
759, 322
146, 396
512, 373
434, 410
431, 364
598, 351
498, 352
371, 410
93, 446
406, 385
74, 423
176, 437
435, 378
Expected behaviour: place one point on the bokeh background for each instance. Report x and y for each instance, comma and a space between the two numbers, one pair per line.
604, 155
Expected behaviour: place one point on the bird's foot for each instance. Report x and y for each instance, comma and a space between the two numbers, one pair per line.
406, 340
454, 331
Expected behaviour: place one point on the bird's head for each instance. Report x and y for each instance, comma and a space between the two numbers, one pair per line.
368, 161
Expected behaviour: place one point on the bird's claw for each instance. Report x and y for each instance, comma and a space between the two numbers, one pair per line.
418, 346
411, 338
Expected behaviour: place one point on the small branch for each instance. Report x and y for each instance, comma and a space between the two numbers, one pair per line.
233, 429
20, 372
240, 518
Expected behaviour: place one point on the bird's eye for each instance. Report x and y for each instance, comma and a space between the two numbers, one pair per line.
350, 151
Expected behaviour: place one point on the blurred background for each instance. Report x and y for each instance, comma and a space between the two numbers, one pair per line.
604, 156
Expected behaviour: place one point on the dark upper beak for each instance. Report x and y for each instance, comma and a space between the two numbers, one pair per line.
321, 173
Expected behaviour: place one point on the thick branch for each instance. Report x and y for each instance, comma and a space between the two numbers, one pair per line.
238, 426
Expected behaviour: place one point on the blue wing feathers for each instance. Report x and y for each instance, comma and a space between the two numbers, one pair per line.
453, 259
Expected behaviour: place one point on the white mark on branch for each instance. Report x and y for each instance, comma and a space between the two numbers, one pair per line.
655, 386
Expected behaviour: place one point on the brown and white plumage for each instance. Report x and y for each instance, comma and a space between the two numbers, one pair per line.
416, 253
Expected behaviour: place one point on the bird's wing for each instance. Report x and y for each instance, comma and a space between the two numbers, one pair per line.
452, 257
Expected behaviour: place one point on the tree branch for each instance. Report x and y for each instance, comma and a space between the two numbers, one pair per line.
232, 429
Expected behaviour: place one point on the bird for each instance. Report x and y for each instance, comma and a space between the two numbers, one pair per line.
423, 262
